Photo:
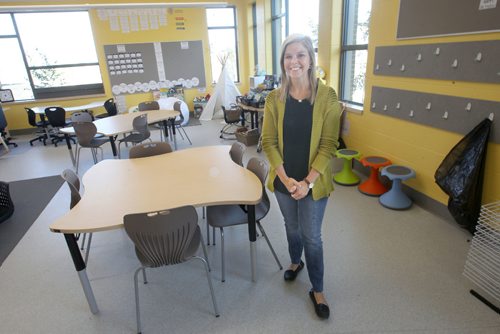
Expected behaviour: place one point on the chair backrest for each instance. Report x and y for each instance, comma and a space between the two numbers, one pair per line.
149, 149
74, 185
3, 120
140, 124
81, 116
85, 132
232, 115
148, 105
31, 117
177, 107
6, 204
56, 116
110, 107
237, 151
165, 237
260, 168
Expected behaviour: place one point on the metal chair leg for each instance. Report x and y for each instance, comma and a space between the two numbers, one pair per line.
269, 244
223, 259
209, 278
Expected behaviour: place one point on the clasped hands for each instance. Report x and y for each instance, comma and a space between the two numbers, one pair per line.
297, 189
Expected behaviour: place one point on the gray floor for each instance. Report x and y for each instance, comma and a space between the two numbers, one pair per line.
386, 271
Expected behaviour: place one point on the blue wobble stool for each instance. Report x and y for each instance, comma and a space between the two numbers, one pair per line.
395, 198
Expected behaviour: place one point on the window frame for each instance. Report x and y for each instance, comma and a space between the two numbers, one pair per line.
276, 22
61, 91
235, 29
345, 48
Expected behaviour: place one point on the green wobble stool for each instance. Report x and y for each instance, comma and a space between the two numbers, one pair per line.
346, 176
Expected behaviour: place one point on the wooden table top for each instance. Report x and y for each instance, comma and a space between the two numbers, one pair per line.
121, 123
91, 105
200, 176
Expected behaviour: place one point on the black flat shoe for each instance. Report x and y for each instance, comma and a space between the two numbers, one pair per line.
290, 274
322, 310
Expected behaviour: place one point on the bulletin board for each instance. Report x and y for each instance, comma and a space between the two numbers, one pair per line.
143, 67
424, 18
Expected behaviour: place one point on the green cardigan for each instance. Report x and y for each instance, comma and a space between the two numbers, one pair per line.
324, 137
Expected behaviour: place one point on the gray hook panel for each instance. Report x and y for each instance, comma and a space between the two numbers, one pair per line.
466, 61
450, 113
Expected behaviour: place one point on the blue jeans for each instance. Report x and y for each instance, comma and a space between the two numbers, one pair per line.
303, 219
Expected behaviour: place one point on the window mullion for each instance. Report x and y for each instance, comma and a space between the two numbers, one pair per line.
25, 59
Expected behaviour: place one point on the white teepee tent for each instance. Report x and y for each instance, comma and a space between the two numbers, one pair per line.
224, 94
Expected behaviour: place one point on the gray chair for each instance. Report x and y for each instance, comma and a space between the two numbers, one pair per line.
178, 122
153, 105
148, 105
149, 149
232, 117
230, 215
86, 135
74, 186
165, 238
81, 116
236, 152
139, 134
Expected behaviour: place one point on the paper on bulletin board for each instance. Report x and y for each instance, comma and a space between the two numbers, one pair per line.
487, 4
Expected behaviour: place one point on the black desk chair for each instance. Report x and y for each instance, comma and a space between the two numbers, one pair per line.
232, 117
57, 120
110, 107
41, 134
3, 130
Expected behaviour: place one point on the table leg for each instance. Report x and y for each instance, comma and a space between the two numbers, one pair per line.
113, 145
252, 122
165, 129
252, 236
70, 149
82, 272
174, 138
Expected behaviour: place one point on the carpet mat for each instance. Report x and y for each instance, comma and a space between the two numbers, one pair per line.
30, 197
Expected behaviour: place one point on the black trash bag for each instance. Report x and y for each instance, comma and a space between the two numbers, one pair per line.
461, 174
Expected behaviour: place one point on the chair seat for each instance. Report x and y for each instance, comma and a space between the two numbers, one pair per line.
98, 141
134, 137
231, 215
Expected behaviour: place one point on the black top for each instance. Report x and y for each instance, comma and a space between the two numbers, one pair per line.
297, 127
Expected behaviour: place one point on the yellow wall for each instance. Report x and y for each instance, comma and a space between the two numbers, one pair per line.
196, 29
420, 147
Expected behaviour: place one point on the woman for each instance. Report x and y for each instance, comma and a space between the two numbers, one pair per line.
299, 136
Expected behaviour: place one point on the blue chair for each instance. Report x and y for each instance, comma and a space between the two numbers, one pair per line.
395, 198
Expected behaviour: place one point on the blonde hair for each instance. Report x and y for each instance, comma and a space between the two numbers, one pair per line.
285, 83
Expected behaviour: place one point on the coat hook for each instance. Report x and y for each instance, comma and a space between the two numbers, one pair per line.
377, 67
398, 105
411, 113
389, 63
374, 105
385, 107
491, 116
468, 107
445, 115
455, 63
479, 57
402, 68
419, 57
428, 107
437, 52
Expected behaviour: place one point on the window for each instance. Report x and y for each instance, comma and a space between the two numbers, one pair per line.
279, 30
293, 17
221, 23
354, 50
42, 60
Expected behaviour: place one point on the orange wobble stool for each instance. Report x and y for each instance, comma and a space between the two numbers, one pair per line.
372, 186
